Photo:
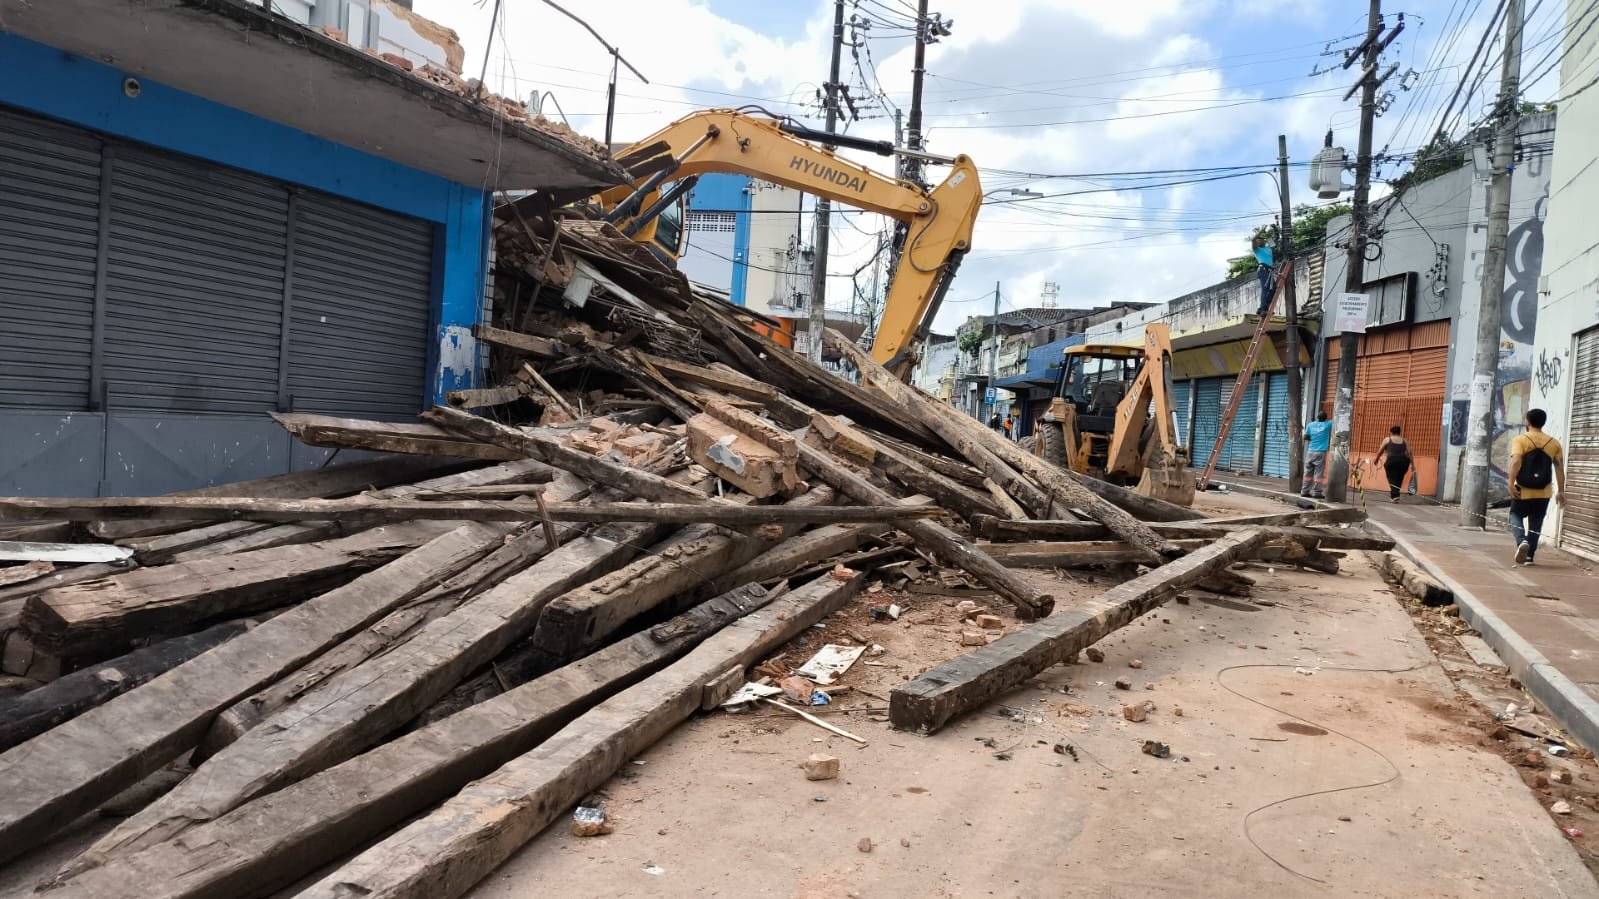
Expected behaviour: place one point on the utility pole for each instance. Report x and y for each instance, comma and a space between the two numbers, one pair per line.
1285, 249
824, 208
993, 360
1355, 277
924, 36
1479, 436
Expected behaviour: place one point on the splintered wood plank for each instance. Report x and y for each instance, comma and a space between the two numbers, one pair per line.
52, 779
966, 682
385, 437
273, 841
167, 598
62, 699
948, 547
446, 851
355, 708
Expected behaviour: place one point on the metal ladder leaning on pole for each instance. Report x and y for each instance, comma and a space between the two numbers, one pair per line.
1245, 371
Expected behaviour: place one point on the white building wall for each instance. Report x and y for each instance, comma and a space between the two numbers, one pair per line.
1571, 250
1530, 191
774, 225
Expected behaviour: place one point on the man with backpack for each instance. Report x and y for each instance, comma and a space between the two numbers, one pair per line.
1537, 472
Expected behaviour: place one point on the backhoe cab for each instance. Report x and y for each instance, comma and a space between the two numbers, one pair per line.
1113, 417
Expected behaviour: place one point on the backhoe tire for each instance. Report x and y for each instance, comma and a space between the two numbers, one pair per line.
1052, 438
1029, 444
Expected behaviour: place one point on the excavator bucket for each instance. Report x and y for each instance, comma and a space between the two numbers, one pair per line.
1167, 479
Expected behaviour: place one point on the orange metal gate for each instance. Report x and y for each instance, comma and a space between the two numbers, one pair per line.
1401, 377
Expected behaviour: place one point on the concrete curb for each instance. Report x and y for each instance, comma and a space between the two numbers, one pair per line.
1569, 704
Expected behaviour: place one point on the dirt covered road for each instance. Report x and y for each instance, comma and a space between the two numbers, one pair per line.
1320, 750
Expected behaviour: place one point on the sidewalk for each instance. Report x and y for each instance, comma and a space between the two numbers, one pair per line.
1543, 621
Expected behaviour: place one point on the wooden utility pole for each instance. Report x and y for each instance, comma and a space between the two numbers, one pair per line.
1479, 437
993, 360
1285, 249
824, 208
1355, 276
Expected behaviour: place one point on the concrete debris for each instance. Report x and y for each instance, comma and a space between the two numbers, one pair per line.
1135, 663
590, 821
1123, 683
1094, 655
820, 767
1561, 807
865, 844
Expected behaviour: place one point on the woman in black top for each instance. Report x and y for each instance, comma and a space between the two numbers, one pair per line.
1394, 456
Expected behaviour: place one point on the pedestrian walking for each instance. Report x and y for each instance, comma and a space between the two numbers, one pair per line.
1537, 472
1318, 440
1394, 457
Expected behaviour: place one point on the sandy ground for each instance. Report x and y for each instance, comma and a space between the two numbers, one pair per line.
1321, 750
1416, 797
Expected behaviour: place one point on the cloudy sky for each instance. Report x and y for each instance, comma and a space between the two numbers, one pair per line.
1048, 96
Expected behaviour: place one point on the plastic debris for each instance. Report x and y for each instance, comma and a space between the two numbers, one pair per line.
653, 869
830, 662
1561, 808
1559, 751
749, 693
1571, 832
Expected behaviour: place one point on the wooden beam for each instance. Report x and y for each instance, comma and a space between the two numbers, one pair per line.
52, 779
329, 480
591, 468
268, 844
790, 556
228, 537
167, 599
487, 396
379, 510
934, 538
384, 437
979, 444
542, 347
358, 707
1144, 508
443, 853
63, 699
588, 614
544, 386
1326, 538
728, 382
966, 682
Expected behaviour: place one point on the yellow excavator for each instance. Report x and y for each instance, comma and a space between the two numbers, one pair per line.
1109, 434
1118, 421
938, 222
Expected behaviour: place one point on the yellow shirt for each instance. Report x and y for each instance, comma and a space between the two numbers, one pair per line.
1526, 443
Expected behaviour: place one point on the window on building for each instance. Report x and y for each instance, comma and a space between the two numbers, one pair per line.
713, 221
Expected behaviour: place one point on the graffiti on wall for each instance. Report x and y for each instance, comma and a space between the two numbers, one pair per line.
1518, 319
1548, 373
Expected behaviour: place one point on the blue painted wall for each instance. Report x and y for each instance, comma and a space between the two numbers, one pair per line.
80, 91
729, 193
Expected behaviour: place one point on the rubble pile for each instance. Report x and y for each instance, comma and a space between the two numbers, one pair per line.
407, 666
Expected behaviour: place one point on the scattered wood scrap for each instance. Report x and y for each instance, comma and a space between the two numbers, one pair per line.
451, 644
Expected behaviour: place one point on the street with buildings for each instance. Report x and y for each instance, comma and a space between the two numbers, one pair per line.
822, 449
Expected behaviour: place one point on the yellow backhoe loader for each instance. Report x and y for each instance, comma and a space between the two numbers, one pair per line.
1113, 417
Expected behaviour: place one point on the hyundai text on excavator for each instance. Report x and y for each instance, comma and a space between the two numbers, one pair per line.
938, 222
1119, 423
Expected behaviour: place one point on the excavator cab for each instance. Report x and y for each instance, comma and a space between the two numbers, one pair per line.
1112, 417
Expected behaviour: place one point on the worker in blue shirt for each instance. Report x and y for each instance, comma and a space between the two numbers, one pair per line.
1318, 440
1266, 272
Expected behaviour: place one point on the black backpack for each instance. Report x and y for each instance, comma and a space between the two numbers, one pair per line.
1537, 469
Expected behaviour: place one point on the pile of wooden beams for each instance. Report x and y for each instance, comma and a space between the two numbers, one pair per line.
407, 667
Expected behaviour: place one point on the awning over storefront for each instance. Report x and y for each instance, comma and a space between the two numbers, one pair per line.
1042, 362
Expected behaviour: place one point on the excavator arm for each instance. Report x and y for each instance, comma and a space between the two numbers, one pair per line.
939, 221
1154, 455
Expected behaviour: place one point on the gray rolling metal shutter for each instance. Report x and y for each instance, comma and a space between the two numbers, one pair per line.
194, 286
1274, 461
1238, 452
1207, 417
360, 309
1579, 527
49, 234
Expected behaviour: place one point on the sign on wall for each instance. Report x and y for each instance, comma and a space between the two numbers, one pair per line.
1351, 312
